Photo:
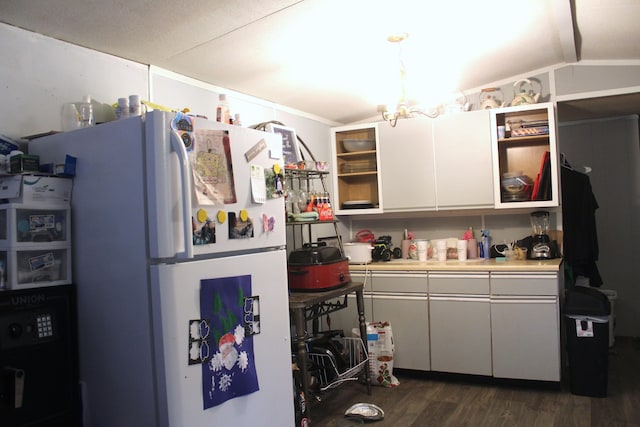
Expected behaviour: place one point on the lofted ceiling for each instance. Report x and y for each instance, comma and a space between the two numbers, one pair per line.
330, 58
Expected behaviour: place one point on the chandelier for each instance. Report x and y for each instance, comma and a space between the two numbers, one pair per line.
402, 109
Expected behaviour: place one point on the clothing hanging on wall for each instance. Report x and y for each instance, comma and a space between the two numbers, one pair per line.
579, 224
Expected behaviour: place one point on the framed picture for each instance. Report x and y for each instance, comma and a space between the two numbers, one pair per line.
290, 149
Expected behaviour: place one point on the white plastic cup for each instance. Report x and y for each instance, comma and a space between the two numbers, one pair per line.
422, 250
442, 250
462, 250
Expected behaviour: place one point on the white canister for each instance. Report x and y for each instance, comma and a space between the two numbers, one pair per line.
358, 253
421, 246
462, 250
442, 250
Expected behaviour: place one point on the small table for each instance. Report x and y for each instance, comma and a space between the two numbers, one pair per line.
310, 306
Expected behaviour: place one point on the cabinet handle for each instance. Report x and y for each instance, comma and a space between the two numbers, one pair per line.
523, 301
470, 298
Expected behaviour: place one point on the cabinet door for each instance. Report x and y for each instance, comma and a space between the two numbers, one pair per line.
460, 334
460, 323
409, 319
401, 299
464, 173
406, 164
525, 325
525, 337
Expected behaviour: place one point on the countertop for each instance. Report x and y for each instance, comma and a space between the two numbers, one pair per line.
493, 264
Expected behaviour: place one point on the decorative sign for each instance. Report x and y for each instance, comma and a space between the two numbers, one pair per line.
290, 149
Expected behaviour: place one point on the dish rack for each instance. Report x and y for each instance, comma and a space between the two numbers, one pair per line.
330, 372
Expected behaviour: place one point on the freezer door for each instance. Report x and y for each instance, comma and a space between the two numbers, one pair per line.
237, 215
176, 302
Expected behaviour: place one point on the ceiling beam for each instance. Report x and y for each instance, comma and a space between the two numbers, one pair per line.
564, 13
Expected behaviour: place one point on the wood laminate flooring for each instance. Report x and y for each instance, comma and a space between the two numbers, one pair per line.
421, 401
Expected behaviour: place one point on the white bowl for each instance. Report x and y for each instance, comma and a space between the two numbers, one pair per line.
352, 145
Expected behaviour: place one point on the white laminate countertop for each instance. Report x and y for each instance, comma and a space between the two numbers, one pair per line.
493, 264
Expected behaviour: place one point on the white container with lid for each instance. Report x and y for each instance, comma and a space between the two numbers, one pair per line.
122, 110
135, 108
358, 253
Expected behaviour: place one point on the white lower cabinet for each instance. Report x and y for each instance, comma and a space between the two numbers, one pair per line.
501, 324
401, 299
460, 323
525, 326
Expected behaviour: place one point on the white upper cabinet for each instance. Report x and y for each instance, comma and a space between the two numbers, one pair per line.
407, 165
453, 162
356, 166
463, 166
525, 160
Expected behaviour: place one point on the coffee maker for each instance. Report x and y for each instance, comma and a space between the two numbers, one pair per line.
541, 243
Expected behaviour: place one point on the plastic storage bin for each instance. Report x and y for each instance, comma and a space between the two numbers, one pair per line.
586, 312
31, 268
24, 225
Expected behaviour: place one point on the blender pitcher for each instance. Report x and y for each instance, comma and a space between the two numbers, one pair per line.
540, 248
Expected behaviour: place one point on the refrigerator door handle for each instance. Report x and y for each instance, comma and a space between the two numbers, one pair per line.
185, 180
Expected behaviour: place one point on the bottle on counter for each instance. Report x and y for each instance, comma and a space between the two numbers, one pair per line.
85, 110
223, 114
485, 245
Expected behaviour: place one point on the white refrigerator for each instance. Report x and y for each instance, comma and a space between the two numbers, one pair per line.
179, 260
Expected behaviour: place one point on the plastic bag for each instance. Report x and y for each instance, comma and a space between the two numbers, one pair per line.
381, 351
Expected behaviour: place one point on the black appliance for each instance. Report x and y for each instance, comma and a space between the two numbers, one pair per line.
39, 383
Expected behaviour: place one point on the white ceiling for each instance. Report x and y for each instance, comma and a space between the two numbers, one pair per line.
330, 57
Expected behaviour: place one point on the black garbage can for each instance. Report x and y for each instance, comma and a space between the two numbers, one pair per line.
586, 312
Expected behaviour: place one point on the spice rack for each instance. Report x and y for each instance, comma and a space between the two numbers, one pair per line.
303, 181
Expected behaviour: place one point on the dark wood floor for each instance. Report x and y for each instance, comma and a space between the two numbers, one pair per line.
420, 402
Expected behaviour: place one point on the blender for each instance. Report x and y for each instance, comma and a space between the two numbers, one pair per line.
540, 246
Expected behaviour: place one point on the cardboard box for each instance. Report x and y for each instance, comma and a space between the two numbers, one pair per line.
45, 190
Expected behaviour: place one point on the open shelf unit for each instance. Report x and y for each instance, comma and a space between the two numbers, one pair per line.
357, 183
525, 154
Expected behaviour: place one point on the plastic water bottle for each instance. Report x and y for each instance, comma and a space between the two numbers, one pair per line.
70, 117
85, 110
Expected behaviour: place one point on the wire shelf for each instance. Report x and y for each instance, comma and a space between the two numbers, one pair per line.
332, 370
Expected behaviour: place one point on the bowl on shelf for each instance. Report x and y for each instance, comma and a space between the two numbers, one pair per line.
353, 145
516, 187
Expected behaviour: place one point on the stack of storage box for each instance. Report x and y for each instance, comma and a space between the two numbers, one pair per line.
35, 231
